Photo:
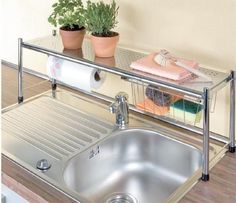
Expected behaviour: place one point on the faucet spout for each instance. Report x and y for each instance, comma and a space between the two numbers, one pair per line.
121, 108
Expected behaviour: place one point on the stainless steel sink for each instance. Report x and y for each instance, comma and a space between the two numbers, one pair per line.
94, 162
132, 166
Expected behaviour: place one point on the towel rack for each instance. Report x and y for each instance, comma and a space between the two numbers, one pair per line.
195, 89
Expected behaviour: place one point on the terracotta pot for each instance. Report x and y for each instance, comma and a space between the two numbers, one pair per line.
104, 46
72, 39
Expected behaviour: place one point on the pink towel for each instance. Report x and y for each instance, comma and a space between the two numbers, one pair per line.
170, 70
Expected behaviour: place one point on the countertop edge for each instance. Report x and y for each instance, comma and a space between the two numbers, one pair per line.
24, 179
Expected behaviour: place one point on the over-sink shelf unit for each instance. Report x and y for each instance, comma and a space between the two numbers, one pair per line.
194, 90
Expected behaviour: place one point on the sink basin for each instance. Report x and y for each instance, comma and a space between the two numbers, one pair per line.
94, 162
132, 166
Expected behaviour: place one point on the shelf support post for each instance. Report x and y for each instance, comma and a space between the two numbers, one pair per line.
232, 113
205, 166
20, 71
54, 87
54, 84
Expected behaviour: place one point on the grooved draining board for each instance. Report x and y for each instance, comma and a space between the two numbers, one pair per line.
54, 127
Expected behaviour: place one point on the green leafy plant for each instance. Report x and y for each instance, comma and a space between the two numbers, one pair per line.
100, 18
69, 14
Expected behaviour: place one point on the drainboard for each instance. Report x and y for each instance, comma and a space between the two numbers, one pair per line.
54, 127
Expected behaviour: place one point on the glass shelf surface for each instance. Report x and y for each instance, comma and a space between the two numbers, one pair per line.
120, 64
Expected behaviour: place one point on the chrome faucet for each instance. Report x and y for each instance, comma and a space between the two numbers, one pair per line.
121, 108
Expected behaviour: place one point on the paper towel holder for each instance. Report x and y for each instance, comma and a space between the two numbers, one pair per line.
97, 76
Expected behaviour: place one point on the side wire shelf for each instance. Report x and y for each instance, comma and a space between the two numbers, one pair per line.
165, 103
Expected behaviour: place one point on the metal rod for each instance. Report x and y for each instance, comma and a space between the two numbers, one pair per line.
205, 167
232, 114
54, 87
20, 71
116, 71
54, 84
180, 124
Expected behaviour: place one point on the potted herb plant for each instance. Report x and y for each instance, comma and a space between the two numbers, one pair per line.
100, 19
69, 14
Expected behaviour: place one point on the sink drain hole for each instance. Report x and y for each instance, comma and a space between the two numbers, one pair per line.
121, 198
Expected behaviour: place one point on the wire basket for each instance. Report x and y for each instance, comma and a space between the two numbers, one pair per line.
167, 103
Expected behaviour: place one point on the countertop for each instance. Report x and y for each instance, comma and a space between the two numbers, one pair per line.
220, 188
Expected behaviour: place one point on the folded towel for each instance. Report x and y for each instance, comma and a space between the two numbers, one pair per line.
186, 111
149, 106
170, 71
159, 97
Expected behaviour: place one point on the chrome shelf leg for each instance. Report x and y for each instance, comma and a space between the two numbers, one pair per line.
232, 114
54, 84
20, 70
205, 167
54, 87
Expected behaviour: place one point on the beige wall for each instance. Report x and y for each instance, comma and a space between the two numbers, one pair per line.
201, 29
24, 18
204, 30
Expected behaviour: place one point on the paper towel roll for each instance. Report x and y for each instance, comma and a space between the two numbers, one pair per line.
74, 74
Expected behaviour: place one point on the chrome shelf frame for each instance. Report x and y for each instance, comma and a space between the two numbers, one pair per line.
201, 90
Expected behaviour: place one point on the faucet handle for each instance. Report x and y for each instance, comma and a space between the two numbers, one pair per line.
121, 108
113, 107
122, 96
